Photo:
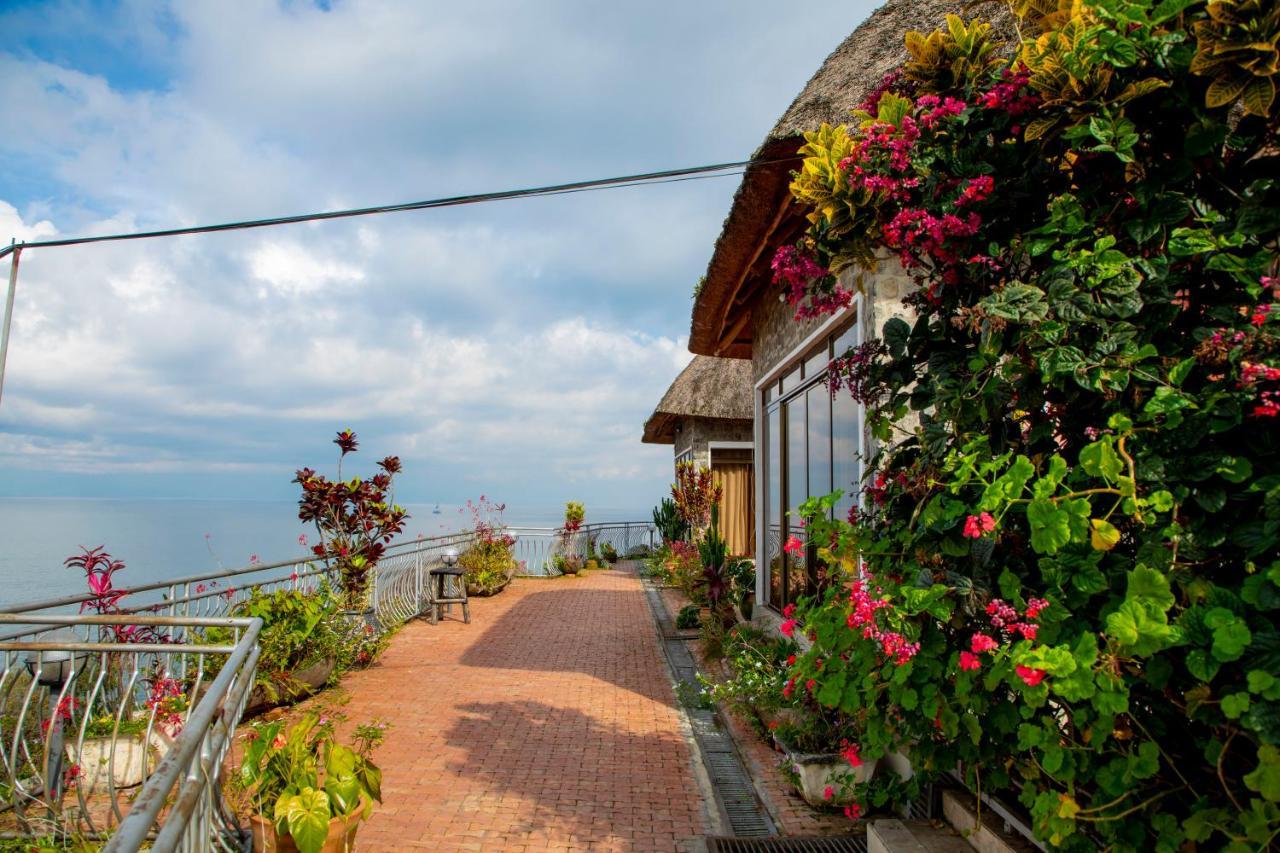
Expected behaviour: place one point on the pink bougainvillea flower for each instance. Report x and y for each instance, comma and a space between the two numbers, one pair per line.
976, 525
982, 643
302, 540
969, 661
828, 792
1030, 676
794, 546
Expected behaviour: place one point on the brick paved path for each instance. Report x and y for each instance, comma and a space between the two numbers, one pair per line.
548, 723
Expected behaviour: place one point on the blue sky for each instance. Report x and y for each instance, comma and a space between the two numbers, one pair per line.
513, 349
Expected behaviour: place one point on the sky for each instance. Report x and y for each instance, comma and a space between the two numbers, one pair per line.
513, 349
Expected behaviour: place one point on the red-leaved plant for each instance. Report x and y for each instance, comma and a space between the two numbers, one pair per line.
356, 519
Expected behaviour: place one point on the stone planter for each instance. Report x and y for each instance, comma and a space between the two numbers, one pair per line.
312, 679
134, 758
368, 616
482, 592
341, 837
900, 763
813, 773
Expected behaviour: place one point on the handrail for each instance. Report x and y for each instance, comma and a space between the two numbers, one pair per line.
145, 810
80, 598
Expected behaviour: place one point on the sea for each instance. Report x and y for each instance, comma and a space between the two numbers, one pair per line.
162, 539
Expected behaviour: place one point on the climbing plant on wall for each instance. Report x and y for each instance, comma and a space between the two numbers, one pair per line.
1070, 558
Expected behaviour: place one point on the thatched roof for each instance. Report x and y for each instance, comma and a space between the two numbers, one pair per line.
717, 388
763, 214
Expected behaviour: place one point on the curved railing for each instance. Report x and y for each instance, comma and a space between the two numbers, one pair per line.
111, 732
537, 547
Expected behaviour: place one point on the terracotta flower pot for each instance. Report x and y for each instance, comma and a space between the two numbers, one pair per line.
341, 837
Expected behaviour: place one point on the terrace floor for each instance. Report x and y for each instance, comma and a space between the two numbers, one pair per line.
548, 723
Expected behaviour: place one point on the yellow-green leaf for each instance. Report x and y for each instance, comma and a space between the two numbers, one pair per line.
1224, 90
1037, 128
1258, 96
1103, 535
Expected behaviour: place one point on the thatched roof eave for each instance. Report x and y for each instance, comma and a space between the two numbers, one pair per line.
762, 215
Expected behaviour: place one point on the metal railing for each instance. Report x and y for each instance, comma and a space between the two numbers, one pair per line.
399, 591
110, 731
536, 548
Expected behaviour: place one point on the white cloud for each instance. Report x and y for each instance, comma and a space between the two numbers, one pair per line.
520, 344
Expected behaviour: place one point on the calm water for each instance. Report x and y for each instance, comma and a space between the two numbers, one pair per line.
166, 539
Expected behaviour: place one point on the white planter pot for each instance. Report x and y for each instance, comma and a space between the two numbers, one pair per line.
815, 773
99, 769
899, 762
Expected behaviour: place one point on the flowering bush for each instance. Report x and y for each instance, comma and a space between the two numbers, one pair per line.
759, 667
1070, 564
695, 494
356, 519
489, 562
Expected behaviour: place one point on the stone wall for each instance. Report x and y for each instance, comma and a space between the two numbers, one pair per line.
777, 333
700, 432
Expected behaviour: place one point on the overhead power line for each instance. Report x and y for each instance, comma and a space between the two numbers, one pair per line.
718, 170
693, 173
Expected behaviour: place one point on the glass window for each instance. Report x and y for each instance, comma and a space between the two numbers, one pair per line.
790, 382
816, 364
845, 341
797, 490
773, 506
812, 446
846, 446
818, 404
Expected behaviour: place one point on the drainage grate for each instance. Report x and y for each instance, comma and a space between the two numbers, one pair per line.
838, 844
924, 807
746, 817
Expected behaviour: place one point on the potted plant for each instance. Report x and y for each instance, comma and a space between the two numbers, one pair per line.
609, 553
823, 759
489, 563
569, 565
308, 793
356, 520
742, 582
112, 753
300, 641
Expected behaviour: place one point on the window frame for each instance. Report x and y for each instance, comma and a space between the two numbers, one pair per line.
770, 398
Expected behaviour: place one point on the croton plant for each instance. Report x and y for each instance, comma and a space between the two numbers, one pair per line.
356, 519
1065, 568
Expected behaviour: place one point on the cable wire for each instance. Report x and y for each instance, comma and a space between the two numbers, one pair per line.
718, 170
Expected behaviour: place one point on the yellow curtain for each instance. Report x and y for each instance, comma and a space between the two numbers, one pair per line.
737, 506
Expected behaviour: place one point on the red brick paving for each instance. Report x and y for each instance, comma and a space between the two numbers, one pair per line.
548, 723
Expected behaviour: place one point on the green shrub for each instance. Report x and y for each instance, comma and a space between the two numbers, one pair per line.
1071, 533
489, 565
689, 617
